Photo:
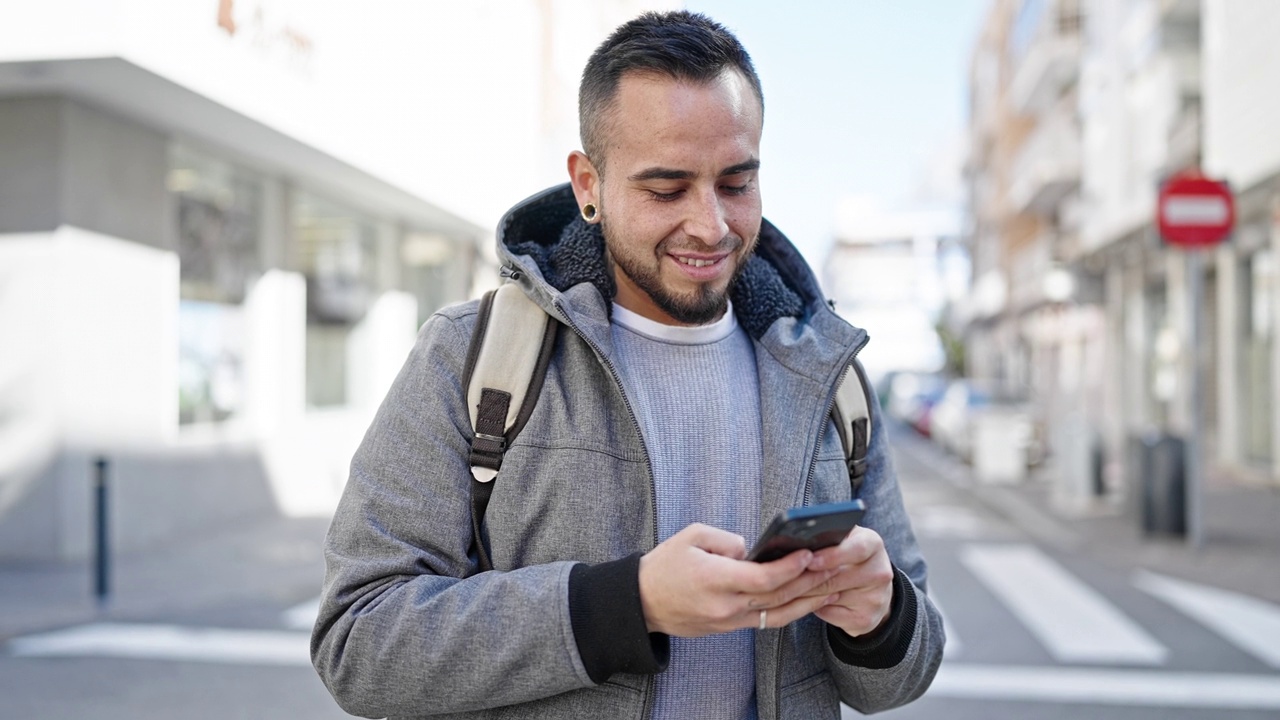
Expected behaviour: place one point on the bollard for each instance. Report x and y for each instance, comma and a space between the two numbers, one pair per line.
101, 549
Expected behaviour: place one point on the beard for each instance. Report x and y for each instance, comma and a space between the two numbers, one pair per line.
705, 304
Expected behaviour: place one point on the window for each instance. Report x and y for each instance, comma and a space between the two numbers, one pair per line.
336, 250
217, 216
1256, 333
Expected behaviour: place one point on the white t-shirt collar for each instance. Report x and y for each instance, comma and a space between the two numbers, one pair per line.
677, 334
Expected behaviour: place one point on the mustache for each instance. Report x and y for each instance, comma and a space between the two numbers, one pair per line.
727, 244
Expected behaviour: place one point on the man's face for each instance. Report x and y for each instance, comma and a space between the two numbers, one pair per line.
680, 197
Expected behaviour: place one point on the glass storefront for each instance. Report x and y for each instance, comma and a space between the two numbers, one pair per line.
218, 215
337, 251
432, 271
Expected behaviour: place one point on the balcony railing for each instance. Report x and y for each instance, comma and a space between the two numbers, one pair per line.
1048, 167
1050, 61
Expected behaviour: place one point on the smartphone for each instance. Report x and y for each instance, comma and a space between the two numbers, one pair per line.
813, 527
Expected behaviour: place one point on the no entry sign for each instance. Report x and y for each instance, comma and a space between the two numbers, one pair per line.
1194, 211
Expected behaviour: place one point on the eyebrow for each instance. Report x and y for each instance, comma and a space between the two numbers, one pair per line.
661, 173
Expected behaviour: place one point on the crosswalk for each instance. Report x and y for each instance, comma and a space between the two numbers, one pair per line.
1078, 625
1075, 623
1101, 652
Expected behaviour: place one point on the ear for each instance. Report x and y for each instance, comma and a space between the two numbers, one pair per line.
584, 178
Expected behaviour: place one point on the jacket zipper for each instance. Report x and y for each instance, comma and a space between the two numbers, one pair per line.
808, 497
635, 423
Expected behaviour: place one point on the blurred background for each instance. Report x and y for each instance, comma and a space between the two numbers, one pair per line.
223, 221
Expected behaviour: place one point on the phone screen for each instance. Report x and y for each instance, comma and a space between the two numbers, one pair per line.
814, 527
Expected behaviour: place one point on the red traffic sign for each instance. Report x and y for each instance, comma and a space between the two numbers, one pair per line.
1194, 211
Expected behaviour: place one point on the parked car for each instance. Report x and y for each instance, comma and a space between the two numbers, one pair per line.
954, 417
911, 397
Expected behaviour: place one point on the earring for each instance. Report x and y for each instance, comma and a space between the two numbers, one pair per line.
589, 212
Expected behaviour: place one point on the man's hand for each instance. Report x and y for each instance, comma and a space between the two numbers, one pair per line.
863, 582
698, 583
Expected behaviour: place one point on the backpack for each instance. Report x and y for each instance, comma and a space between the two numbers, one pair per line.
507, 362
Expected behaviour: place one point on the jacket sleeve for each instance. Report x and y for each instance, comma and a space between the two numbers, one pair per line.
407, 625
895, 664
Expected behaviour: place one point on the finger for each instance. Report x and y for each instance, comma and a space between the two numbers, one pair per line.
860, 545
804, 585
790, 612
716, 541
874, 576
755, 578
830, 582
857, 620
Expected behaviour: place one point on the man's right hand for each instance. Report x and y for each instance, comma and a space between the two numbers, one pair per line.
698, 583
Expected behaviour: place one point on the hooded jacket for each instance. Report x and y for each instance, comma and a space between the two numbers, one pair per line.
409, 626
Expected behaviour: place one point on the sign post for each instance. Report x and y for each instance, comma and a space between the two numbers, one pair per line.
1195, 213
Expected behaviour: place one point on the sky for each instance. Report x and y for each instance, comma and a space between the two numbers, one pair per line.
861, 98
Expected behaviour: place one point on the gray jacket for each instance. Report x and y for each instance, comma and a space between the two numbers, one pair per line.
409, 627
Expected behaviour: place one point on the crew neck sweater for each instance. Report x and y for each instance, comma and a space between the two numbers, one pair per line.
696, 396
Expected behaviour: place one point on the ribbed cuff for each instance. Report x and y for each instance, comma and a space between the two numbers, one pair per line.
888, 645
608, 621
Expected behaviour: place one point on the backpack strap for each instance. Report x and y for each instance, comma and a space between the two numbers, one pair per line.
507, 363
852, 414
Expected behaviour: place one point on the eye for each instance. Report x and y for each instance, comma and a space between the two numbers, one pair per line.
664, 197
737, 189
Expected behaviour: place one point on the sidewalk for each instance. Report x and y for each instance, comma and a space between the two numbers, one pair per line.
242, 575
1241, 540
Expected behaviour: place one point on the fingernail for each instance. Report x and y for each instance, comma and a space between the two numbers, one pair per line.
817, 563
807, 558
831, 600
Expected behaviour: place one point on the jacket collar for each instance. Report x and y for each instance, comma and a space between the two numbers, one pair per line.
546, 234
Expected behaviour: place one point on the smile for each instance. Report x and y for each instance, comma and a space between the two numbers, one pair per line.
694, 262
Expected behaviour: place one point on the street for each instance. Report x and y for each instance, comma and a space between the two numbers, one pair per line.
1034, 631
218, 629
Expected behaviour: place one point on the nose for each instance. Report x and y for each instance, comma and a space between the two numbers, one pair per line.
707, 220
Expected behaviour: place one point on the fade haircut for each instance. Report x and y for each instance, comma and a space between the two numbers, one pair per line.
680, 44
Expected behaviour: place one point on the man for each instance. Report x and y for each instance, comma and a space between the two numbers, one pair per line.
686, 403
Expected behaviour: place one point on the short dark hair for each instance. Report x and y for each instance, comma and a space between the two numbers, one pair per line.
679, 44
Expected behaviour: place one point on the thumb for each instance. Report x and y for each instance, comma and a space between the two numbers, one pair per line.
716, 541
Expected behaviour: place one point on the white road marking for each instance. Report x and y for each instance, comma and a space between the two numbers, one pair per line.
1074, 622
944, 521
1248, 623
169, 642
1145, 688
303, 615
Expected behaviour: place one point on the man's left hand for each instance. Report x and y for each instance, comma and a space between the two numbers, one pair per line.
864, 582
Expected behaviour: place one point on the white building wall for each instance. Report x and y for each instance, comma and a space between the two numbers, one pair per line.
428, 96
1129, 104
1241, 102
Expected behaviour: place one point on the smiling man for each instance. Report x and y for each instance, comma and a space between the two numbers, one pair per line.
686, 401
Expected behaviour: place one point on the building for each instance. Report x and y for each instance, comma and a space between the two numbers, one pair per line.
894, 273
221, 224
1075, 126
1240, 110
1024, 178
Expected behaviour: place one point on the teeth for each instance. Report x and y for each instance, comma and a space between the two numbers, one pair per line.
696, 263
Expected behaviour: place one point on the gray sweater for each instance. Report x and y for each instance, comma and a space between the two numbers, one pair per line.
695, 394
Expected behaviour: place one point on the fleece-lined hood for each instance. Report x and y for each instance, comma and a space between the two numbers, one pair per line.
546, 234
